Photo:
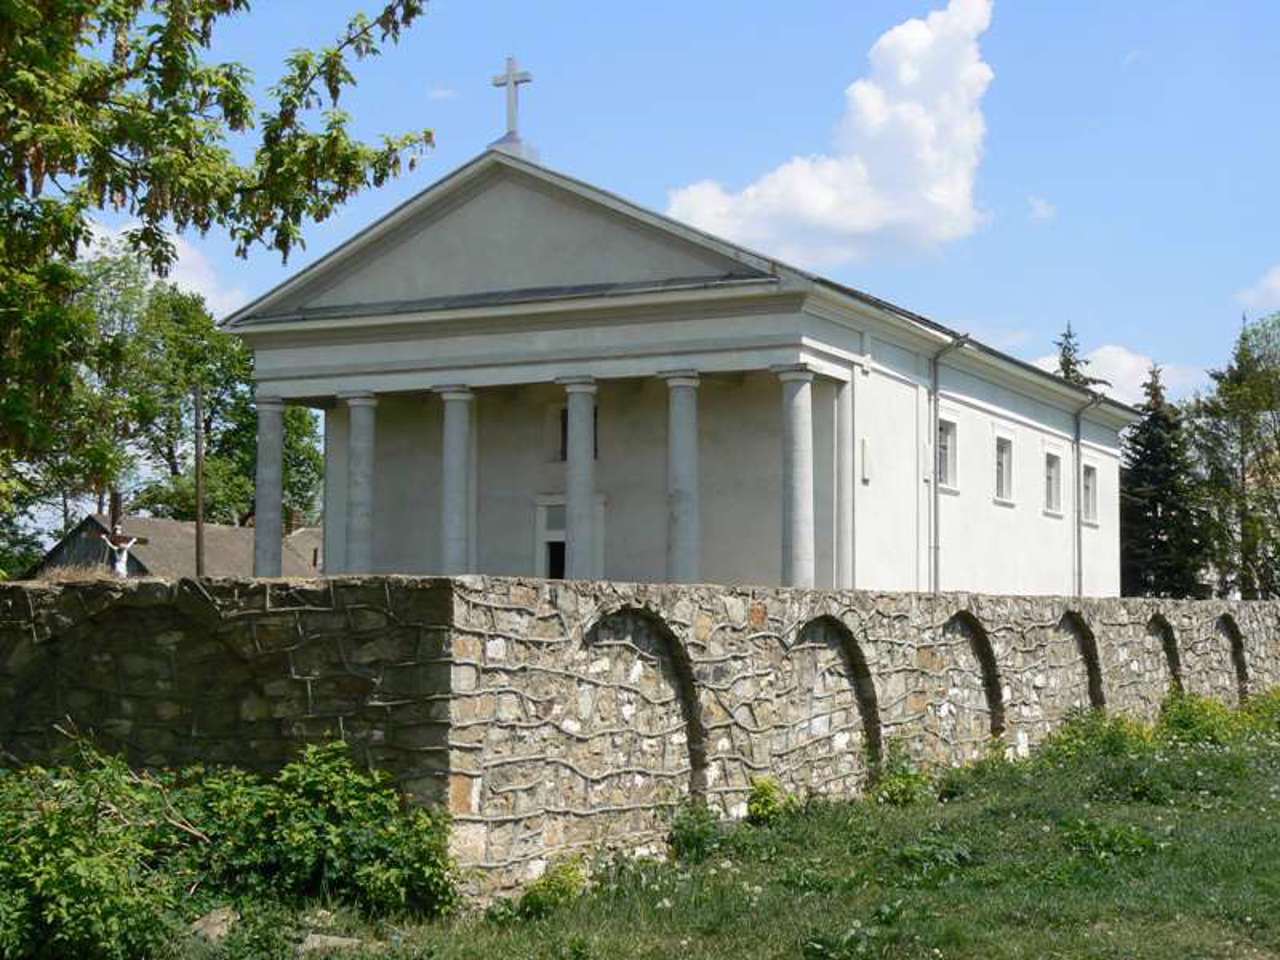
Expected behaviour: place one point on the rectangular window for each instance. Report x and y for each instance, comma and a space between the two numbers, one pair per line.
1089, 494
564, 433
1053, 483
946, 453
1004, 468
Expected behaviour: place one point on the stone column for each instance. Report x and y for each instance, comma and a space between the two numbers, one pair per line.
844, 485
361, 412
684, 525
580, 479
268, 519
797, 476
455, 499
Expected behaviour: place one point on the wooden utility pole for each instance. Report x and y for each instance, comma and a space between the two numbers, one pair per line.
199, 412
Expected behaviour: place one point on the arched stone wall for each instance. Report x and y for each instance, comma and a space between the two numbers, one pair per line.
554, 717
831, 739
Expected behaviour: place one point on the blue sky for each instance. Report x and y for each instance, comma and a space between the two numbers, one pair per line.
1002, 170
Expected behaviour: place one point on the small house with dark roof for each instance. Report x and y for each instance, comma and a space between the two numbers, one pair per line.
167, 548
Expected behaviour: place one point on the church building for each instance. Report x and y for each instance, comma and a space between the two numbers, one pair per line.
522, 374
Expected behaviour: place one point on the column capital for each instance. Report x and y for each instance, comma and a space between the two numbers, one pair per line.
793, 371
359, 399
577, 384
679, 378
454, 391
268, 403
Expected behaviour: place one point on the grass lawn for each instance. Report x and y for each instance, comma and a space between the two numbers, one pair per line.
1113, 841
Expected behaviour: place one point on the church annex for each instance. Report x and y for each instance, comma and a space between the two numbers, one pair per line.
522, 374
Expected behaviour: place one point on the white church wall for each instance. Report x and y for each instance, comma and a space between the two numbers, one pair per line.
1101, 541
406, 506
1021, 546
335, 488
740, 476
824, 482
887, 519
740, 425
517, 432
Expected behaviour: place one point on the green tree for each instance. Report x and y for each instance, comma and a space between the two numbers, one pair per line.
1071, 364
114, 105
1237, 442
180, 346
1163, 543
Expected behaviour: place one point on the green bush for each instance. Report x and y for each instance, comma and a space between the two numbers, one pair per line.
323, 828
901, 782
769, 802
1092, 734
78, 870
1190, 718
696, 832
1262, 712
96, 860
559, 886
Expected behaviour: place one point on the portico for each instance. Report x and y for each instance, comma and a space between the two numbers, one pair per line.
568, 466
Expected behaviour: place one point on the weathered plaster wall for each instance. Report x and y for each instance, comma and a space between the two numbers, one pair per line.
560, 716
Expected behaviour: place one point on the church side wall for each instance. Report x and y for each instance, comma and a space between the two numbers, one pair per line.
557, 717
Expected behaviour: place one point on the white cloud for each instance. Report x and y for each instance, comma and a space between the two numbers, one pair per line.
1039, 209
906, 153
1133, 57
442, 93
1126, 371
1263, 296
195, 272
192, 271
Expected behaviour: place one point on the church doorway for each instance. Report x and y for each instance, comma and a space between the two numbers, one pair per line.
550, 550
555, 559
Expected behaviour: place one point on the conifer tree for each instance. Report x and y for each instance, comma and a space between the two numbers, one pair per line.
1236, 431
1163, 542
1071, 365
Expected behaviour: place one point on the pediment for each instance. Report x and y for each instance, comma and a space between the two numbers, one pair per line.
505, 230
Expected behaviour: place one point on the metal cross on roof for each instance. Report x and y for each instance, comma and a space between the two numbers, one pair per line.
512, 79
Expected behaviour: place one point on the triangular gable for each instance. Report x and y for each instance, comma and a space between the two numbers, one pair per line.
497, 225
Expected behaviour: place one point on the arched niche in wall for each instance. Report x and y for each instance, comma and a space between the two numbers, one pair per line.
965, 627
1160, 629
642, 699
1074, 624
1227, 628
827, 633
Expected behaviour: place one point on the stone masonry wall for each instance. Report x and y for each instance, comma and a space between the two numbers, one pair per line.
556, 717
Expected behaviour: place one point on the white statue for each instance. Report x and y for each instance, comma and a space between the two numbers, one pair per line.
119, 545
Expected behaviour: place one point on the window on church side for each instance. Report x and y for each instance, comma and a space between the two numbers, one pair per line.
1004, 469
1089, 494
1053, 483
564, 433
946, 453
